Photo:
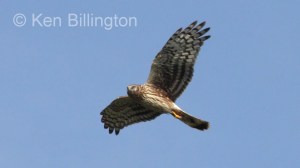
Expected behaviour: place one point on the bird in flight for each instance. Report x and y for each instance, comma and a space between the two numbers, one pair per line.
171, 71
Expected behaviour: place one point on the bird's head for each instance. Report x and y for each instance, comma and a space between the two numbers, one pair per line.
133, 90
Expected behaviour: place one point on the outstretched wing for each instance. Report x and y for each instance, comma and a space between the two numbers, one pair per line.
172, 68
122, 112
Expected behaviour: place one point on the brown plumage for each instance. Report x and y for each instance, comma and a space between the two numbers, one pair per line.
171, 71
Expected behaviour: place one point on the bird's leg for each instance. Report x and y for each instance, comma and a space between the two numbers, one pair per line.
176, 115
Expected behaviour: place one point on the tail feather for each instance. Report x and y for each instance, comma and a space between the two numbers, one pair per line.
191, 120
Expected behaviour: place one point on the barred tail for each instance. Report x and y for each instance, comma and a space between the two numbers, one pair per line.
191, 121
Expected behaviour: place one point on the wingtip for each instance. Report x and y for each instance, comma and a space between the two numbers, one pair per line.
202, 24
194, 23
191, 26
206, 29
110, 130
179, 30
205, 38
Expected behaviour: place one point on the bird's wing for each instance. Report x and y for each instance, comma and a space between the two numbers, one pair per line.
122, 112
172, 69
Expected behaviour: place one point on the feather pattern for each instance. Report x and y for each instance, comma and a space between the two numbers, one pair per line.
173, 67
123, 112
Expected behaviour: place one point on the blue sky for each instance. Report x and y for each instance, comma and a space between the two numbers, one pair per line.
56, 80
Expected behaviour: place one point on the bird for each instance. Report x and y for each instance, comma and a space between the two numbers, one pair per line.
171, 71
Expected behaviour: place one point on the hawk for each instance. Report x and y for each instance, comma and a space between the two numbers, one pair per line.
171, 71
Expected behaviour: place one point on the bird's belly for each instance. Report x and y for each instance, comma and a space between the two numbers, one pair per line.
157, 103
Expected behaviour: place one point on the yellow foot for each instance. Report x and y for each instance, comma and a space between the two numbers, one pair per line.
178, 116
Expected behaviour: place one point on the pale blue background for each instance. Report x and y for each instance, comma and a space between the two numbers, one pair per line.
55, 81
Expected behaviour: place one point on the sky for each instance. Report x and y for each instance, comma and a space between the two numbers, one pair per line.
56, 77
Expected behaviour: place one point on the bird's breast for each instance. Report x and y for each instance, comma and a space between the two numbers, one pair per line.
154, 98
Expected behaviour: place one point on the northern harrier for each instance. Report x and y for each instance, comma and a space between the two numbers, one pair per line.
171, 71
